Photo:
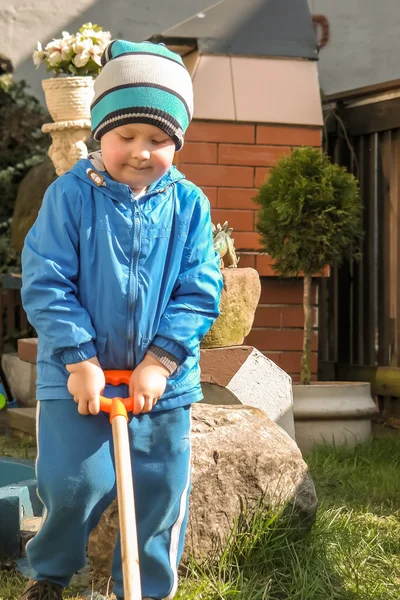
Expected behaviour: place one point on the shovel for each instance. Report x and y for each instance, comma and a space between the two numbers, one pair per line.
118, 409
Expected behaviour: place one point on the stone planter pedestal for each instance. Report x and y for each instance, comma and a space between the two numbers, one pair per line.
68, 143
332, 413
239, 300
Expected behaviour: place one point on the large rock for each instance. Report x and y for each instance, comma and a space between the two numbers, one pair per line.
240, 457
29, 200
239, 300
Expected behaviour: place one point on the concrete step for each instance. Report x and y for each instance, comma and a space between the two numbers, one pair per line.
22, 420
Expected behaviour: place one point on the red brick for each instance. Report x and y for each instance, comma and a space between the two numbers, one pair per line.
288, 136
293, 316
246, 241
211, 193
278, 339
204, 131
275, 339
284, 291
198, 152
267, 316
246, 260
264, 265
240, 220
237, 198
291, 362
261, 176
218, 175
239, 154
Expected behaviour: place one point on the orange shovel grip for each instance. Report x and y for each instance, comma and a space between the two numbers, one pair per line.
117, 406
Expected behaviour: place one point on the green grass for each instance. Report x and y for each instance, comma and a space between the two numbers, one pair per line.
352, 553
16, 447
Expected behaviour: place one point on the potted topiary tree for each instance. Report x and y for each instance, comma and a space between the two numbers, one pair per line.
311, 216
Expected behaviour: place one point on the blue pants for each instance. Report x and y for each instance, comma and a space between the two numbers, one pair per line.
76, 483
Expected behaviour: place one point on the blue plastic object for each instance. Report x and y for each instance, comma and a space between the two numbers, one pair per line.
3, 399
18, 499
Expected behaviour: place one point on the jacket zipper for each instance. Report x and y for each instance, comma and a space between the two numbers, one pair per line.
133, 276
133, 281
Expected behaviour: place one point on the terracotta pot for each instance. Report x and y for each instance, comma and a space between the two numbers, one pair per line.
332, 413
239, 300
69, 98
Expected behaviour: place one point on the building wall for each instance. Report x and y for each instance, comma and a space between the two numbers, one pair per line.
24, 23
362, 46
229, 161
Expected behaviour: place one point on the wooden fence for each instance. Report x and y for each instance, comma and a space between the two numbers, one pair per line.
360, 303
13, 321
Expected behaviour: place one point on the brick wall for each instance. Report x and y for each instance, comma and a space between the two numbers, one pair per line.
278, 324
229, 161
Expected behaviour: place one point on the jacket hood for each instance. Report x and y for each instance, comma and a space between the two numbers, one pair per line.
91, 170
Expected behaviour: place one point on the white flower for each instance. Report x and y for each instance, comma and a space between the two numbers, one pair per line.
86, 50
67, 37
59, 50
96, 55
38, 55
103, 38
87, 31
66, 47
72, 52
54, 58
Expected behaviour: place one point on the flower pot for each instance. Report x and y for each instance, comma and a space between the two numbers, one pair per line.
69, 98
336, 413
239, 300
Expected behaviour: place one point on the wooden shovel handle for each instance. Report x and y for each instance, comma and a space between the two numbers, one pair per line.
118, 409
126, 510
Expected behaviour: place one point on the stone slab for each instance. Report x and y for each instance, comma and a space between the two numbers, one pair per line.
27, 349
22, 419
21, 377
250, 378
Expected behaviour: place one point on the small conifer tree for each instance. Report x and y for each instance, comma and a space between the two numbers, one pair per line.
310, 216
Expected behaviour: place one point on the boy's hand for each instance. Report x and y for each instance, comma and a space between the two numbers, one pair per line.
147, 384
85, 383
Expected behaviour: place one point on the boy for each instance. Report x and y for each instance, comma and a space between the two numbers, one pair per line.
119, 272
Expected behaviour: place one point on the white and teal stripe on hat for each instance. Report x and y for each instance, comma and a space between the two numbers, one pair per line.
118, 47
144, 83
139, 100
153, 70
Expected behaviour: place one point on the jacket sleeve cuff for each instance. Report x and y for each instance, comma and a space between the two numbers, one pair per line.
165, 358
177, 351
70, 356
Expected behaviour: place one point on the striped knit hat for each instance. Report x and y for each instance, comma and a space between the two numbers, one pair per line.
142, 83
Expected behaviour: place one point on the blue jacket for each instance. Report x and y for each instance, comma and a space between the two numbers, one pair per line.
107, 275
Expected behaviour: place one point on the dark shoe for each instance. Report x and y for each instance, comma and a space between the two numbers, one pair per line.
41, 590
